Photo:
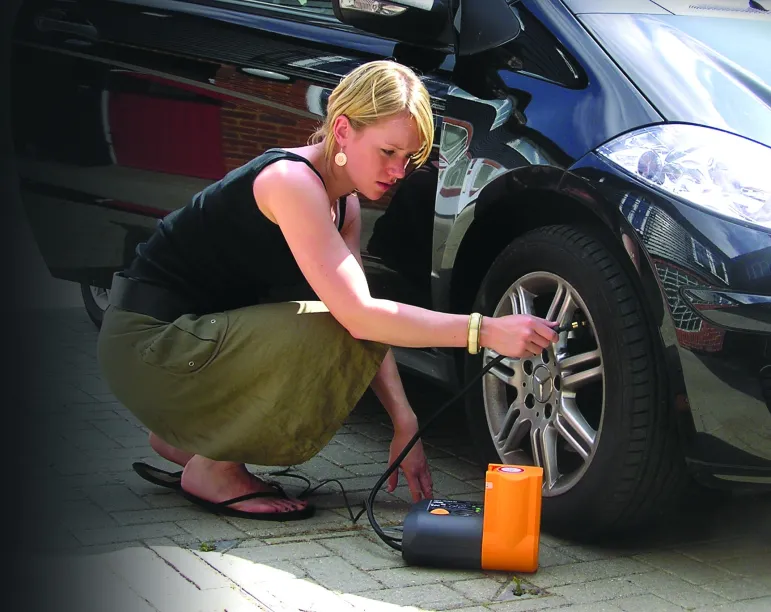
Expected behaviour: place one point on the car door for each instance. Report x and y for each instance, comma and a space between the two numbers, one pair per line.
145, 102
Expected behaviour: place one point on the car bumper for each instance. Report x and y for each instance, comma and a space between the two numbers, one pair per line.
708, 284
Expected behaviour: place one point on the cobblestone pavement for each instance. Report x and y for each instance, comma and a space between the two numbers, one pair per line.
97, 537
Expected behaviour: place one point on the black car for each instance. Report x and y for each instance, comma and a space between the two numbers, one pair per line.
607, 166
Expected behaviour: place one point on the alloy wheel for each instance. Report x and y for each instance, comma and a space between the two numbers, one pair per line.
547, 410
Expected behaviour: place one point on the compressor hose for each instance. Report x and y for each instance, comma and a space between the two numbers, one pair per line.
392, 541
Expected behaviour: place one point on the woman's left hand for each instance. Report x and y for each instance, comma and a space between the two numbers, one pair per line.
414, 465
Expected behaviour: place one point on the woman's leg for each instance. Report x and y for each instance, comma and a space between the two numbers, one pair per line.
218, 481
169, 452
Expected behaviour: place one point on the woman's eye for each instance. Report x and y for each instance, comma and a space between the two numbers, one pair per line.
387, 152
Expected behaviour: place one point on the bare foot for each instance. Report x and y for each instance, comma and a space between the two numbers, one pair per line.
169, 452
217, 481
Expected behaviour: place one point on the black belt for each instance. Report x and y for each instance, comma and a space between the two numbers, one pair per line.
144, 298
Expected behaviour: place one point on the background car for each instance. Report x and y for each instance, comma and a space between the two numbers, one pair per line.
591, 164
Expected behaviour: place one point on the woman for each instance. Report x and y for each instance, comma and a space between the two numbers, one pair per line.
202, 343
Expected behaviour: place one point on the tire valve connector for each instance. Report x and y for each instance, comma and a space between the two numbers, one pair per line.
503, 533
572, 326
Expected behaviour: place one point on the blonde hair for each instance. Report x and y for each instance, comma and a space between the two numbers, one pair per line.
372, 92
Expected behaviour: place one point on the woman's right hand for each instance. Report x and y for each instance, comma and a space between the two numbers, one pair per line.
517, 335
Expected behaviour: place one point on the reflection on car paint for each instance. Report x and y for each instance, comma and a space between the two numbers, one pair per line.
168, 96
687, 79
667, 243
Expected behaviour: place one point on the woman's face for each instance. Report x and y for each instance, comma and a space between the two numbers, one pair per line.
378, 154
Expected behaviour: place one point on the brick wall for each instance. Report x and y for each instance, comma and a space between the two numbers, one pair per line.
248, 128
707, 338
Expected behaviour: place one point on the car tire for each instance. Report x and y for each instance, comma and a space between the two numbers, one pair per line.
95, 300
634, 466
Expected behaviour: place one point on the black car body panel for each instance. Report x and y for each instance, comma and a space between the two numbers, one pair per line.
538, 101
145, 102
700, 70
701, 265
164, 98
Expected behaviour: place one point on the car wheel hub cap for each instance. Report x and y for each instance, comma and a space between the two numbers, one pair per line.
542, 384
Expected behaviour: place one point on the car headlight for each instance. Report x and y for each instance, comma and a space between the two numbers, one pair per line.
721, 172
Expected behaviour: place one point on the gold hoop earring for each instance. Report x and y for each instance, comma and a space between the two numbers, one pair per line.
341, 159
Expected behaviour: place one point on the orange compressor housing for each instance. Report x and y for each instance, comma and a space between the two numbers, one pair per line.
503, 533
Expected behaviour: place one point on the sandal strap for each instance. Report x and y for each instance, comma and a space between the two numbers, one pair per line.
279, 492
157, 475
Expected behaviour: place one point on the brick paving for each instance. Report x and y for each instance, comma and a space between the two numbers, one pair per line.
97, 537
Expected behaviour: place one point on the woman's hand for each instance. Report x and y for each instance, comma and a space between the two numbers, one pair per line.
518, 335
414, 465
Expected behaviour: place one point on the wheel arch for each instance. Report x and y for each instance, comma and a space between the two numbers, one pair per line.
508, 207
521, 201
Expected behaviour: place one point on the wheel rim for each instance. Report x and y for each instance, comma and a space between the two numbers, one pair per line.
548, 410
101, 297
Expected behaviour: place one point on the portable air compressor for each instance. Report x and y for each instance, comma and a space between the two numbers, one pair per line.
501, 534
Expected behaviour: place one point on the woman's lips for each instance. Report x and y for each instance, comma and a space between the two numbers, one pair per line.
384, 186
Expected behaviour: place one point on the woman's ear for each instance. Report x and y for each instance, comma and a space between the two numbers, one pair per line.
342, 130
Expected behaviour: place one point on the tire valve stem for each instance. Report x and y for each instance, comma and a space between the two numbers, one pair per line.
570, 326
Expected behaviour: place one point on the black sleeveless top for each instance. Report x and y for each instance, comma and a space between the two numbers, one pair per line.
220, 251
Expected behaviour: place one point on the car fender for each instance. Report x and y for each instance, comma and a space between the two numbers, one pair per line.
506, 201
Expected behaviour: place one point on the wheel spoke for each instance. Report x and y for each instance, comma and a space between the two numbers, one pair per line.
570, 438
570, 414
582, 360
507, 371
513, 430
556, 302
562, 309
509, 362
513, 303
579, 370
545, 453
525, 301
574, 381
567, 309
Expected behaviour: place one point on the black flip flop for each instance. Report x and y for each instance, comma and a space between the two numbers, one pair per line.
170, 480
225, 509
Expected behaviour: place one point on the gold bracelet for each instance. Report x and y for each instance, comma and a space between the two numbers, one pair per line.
474, 329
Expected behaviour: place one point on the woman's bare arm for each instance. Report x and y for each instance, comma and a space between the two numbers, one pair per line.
292, 195
296, 199
387, 383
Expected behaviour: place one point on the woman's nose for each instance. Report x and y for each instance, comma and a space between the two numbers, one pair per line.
397, 170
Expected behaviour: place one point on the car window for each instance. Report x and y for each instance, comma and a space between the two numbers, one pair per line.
316, 7
538, 53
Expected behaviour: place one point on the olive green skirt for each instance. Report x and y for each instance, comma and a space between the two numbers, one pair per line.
265, 385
